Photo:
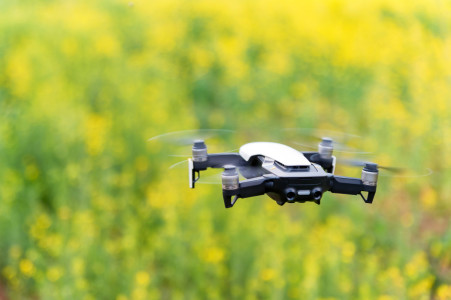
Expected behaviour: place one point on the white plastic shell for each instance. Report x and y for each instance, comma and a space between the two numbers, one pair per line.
190, 173
281, 153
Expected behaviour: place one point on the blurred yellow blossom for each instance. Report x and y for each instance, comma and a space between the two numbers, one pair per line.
27, 267
78, 266
142, 278
107, 45
444, 292
54, 273
19, 71
421, 290
428, 197
9, 272
213, 255
348, 251
417, 265
81, 284
268, 274
386, 297
139, 294
96, 130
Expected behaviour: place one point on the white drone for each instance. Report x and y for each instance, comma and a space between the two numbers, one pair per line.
281, 172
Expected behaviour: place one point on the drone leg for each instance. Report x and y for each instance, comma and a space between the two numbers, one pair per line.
228, 200
369, 198
247, 188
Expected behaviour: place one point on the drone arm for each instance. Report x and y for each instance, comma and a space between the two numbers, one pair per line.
216, 160
352, 186
219, 160
327, 164
247, 188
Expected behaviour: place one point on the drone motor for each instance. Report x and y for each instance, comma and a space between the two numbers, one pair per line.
230, 178
370, 174
199, 151
325, 148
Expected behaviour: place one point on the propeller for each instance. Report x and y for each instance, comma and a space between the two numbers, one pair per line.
310, 138
179, 143
187, 137
393, 171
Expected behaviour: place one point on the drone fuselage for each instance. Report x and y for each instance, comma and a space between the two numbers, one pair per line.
281, 172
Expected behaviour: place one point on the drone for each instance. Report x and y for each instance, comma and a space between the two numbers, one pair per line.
281, 172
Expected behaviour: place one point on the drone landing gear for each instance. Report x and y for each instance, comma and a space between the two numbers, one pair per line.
248, 188
229, 200
369, 198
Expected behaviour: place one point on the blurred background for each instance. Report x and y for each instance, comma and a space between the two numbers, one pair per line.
89, 209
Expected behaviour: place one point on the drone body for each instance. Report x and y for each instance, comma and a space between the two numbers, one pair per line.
281, 172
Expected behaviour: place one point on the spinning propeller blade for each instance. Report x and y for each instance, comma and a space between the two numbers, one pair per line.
179, 143
187, 137
309, 138
394, 171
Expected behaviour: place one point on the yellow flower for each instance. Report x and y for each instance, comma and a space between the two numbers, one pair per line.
107, 45
78, 266
348, 251
27, 267
9, 272
386, 297
213, 255
19, 70
96, 130
54, 273
428, 197
417, 265
268, 274
444, 292
422, 288
81, 284
142, 278
139, 293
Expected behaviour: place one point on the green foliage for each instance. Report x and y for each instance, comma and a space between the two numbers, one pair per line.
88, 209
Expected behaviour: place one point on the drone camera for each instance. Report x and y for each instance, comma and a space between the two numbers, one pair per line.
199, 151
370, 174
317, 194
325, 148
290, 194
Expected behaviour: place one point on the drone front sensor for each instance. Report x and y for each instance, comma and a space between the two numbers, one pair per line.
281, 172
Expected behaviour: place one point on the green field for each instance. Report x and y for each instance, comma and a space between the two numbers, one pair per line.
89, 209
